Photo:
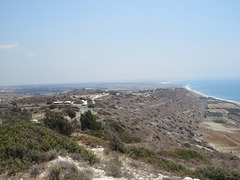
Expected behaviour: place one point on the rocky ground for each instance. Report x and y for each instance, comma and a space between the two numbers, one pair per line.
129, 169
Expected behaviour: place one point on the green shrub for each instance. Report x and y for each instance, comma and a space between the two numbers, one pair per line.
49, 102
104, 113
149, 156
52, 106
116, 126
112, 106
24, 143
140, 152
90, 140
187, 145
187, 155
57, 123
113, 92
211, 173
71, 113
99, 134
126, 138
91, 105
88, 121
78, 102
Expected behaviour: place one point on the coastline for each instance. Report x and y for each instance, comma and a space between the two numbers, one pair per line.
187, 87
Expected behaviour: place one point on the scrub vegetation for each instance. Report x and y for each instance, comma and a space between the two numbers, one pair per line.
24, 144
135, 133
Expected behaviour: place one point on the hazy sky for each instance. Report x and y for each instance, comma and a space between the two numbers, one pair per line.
68, 41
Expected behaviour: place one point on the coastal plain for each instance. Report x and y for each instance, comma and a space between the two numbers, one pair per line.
221, 128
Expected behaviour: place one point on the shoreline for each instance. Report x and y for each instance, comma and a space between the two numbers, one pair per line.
207, 96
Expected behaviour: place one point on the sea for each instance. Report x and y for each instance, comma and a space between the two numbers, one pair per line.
226, 89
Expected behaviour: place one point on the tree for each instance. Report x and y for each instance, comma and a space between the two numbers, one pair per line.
57, 122
88, 121
71, 113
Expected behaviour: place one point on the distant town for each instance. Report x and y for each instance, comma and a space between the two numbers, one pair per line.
8, 93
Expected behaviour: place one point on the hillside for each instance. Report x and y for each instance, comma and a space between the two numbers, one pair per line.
169, 119
148, 134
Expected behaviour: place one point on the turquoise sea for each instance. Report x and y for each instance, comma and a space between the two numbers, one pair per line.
227, 89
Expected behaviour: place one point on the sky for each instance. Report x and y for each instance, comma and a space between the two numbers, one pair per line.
62, 41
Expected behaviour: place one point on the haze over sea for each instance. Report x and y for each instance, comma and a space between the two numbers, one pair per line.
227, 89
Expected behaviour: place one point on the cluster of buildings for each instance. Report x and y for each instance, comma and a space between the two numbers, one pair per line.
63, 102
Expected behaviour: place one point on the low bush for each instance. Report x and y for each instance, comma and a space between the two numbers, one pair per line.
140, 152
57, 123
71, 172
113, 92
89, 140
104, 113
149, 156
78, 102
91, 105
112, 106
76, 156
52, 106
65, 166
115, 126
126, 138
35, 170
50, 155
187, 145
187, 155
107, 151
24, 143
54, 173
114, 168
99, 134
212, 173
70, 112
76, 175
